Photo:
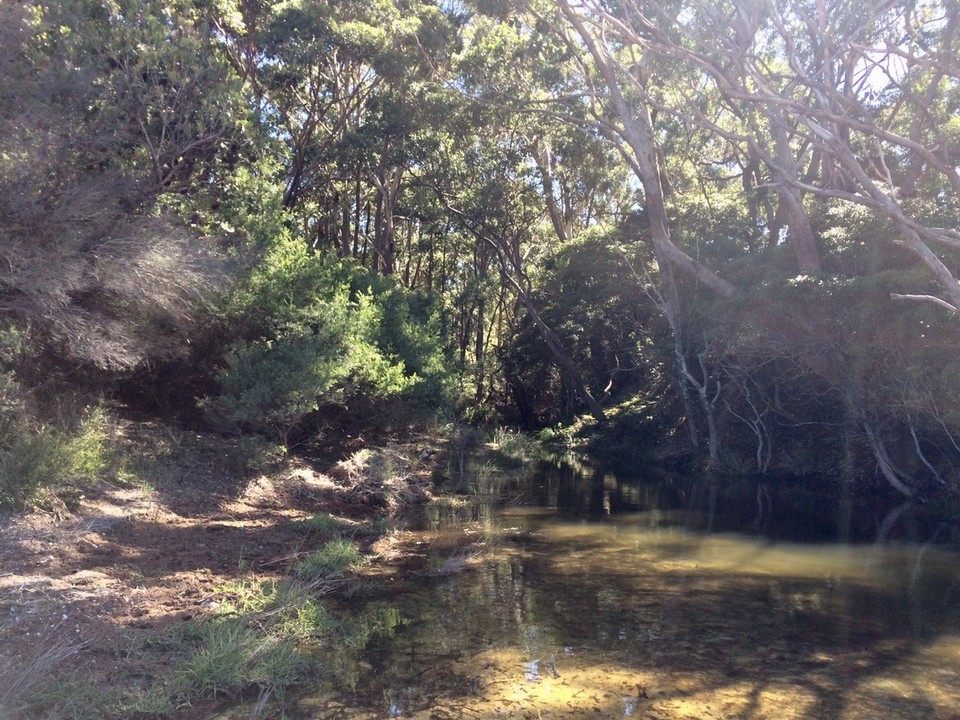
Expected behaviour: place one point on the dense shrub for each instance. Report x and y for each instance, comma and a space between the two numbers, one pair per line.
311, 331
47, 457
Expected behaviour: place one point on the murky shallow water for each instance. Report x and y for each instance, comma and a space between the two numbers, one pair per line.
531, 612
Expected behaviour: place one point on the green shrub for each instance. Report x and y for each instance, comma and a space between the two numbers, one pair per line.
306, 331
48, 457
41, 456
87, 450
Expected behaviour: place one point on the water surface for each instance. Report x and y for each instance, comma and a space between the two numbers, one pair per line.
592, 600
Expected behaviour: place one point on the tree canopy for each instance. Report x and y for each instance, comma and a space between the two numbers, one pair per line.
741, 216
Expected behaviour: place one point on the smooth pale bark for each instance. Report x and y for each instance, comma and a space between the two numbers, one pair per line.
388, 189
785, 173
636, 129
885, 463
875, 197
544, 160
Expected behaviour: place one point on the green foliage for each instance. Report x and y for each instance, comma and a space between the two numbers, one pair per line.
409, 328
87, 452
283, 608
12, 395
325, 524
38, 457
310, 333
515, 448
591, 297
228, 656
46, 458
333, 559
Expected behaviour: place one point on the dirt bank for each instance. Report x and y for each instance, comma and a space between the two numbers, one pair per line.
98, 576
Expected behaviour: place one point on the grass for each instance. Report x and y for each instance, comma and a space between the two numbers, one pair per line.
287, 608
230, 655
31, 683
334, 559
326, 524
513, 448
266, 638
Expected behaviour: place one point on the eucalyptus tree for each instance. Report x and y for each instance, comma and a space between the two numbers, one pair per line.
514, 76
346, 88
869, 93
832, 106
495, 203
599, 96
862, 94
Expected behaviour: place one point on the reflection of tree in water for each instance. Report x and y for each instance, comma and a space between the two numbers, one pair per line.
715, 623
683, 620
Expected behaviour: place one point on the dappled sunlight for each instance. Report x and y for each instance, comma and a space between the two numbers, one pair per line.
741, 700
925, 679
554, 618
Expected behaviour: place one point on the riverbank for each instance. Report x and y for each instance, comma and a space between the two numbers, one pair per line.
151, 595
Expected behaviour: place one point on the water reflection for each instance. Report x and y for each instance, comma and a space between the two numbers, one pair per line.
591, 600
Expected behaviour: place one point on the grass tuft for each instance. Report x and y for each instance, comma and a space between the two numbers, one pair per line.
229, 656
32, 682
334, 559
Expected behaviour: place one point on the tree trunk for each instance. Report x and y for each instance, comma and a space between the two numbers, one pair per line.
636, 131
786, 174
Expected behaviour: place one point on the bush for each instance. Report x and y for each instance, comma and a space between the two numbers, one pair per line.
46, 458
310, 331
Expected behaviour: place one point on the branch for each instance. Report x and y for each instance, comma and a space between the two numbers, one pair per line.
886, 464
924, 298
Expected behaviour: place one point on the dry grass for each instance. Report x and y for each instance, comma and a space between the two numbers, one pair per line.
23, 683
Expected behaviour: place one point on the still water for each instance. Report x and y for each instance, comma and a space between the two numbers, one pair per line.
587, 597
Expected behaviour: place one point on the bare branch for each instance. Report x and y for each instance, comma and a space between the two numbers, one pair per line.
924, 298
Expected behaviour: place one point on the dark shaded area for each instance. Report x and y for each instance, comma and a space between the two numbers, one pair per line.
786, 508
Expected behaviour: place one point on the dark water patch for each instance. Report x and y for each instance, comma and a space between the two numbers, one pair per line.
779, 508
